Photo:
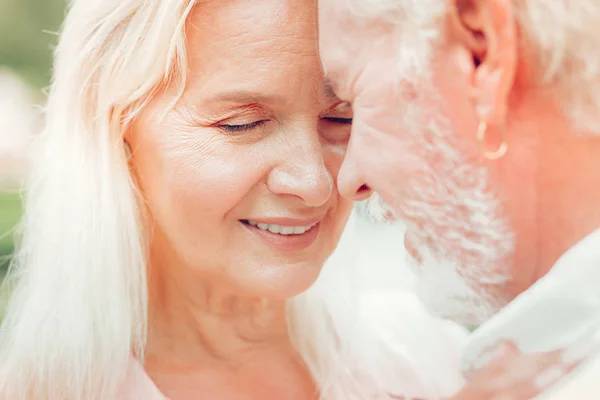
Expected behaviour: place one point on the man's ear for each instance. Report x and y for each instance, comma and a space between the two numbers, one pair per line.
487, 28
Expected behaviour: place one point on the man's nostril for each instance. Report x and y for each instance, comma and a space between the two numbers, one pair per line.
363, 188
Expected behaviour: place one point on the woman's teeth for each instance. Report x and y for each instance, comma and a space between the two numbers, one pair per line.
281, 229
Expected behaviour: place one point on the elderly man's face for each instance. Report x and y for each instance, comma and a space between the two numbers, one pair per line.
412, 143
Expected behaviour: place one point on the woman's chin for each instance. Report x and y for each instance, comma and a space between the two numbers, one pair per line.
281, 281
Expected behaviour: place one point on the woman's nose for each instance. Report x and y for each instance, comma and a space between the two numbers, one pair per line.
303, 174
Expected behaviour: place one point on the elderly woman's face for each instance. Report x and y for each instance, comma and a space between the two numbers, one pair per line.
239, 177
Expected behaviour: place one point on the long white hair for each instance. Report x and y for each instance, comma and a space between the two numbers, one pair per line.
79, 305
78, 311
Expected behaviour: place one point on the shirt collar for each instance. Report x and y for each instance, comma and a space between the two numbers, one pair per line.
560, 309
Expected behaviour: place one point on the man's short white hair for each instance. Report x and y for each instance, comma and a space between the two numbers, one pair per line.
563, 35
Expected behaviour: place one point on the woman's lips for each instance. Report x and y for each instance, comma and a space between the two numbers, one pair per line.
267, 230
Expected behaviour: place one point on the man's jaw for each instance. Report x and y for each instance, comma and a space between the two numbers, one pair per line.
446, 294
444, 291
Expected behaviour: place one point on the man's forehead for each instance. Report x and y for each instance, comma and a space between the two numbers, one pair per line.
337, 59
345, 37
333, 7
337, 19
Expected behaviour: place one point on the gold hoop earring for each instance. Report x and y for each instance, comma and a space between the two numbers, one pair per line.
490, 155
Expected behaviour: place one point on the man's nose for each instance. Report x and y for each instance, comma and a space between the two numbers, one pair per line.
351, 183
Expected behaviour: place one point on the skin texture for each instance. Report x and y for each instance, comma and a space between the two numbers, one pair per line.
254, 136
500, 225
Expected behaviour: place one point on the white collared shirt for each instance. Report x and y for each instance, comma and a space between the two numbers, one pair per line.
561, 310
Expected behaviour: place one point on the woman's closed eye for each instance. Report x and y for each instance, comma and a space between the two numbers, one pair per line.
339, 120
336, 128
234, 128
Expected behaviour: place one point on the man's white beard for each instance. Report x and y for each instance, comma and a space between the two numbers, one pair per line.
447, 294
463, 254
444, 291
454, 224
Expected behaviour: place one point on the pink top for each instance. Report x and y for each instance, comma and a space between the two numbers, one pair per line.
138, 385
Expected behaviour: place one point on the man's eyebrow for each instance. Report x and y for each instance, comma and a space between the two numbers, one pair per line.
330, 88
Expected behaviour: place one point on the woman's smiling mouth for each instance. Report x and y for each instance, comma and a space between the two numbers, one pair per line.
281, 229
285, 234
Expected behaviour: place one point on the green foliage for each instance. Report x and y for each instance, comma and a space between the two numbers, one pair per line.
10, 211
26, 41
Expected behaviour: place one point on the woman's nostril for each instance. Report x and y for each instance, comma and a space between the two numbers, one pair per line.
364, 188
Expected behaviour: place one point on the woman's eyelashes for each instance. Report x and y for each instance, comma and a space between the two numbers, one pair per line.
235, 128
335, 129
339, 120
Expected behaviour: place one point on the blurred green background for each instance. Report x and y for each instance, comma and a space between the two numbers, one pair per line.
27, 38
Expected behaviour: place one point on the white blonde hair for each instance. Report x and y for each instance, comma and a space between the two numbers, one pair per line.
563, 35
78, 311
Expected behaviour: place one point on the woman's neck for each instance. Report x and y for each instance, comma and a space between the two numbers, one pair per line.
194, 319
204, 337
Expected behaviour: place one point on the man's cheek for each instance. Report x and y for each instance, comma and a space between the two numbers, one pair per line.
383, 121
385, 141
377, 153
